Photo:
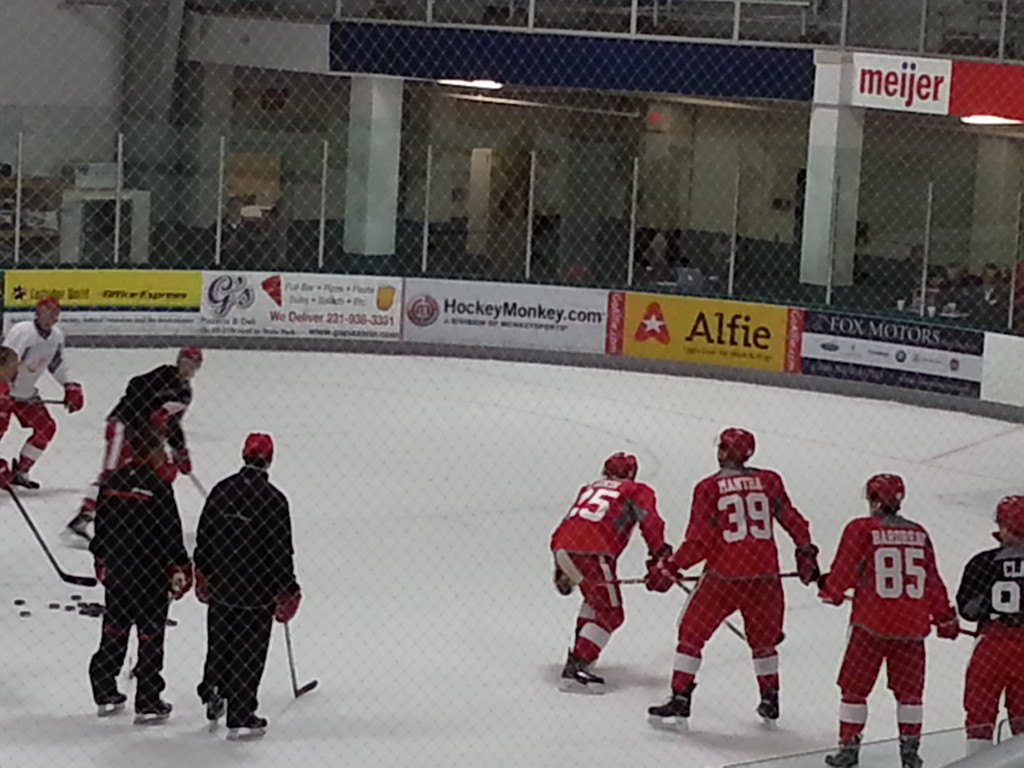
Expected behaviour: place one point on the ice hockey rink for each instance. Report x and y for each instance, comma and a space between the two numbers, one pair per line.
423, 494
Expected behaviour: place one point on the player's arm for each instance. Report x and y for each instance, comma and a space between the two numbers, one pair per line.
943, 615
974, 596
289, 594
846, 565
179, 564
798, 529
74, 397
652, 525
19, 337
700, 529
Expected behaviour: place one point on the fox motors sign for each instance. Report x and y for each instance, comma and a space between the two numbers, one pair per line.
901, 83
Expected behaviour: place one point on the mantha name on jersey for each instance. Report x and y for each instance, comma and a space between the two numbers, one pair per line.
38, 352
602, 518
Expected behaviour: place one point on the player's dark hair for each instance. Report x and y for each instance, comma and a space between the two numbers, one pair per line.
7, 355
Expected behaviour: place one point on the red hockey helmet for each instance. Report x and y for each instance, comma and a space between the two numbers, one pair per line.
258, 445
621, 465
735, 444
192, 354
1010, 514
888, 490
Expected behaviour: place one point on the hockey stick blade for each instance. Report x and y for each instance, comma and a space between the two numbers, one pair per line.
69, 578
296, 690
306, 688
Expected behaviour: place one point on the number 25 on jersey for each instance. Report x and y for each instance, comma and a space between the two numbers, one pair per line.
593, 503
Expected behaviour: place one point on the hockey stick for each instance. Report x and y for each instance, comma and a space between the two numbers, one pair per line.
199, 486
291, 667
81, 581
732, 627
642, 580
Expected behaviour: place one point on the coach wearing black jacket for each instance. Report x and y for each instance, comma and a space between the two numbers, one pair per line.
141, 559
245, 572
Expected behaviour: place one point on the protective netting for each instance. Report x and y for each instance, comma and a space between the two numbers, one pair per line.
629, 184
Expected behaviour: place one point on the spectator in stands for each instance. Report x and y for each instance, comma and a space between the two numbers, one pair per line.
987, 302
935, 293
656, 267
957, 277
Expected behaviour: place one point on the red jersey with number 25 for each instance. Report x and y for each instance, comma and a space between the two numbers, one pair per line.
603, 516
890, 563
731, 526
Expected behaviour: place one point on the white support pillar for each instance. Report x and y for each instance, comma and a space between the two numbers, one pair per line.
833, 176
371, 182
996, 183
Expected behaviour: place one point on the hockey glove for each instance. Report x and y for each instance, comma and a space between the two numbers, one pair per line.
947, 626
287, 606
99, 569
661, 576
562, 582
202, 587
182, 460
807, 569
74, 397
159, 419
181, 580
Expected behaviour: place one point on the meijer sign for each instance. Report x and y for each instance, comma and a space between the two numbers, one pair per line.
901, 83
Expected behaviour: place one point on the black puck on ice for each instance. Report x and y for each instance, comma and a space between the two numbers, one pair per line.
54, 606
76, 598
172, 622
70, 607
19, 601
25, 614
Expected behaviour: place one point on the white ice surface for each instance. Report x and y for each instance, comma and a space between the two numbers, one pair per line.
423, 493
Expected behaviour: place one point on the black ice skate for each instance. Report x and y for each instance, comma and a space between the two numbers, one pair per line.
22, 480
848, 754
152, 713
768, 709
111, 705
908, 752
78, 528
674, 714
216, 705
252, 728
577, 679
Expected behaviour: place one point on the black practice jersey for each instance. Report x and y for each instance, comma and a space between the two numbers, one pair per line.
149, 392
992, 586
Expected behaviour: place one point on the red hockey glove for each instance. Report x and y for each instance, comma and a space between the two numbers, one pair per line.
807, 569
562, 582
661, 576
830, 597
159, 419
182, 460
6, 475
99, 569
287, 606
202, 587
74, 397
181, 580
167, 471
947, 626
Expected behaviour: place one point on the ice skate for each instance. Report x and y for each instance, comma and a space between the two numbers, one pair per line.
577, 679
252, 728
848, 754
674, 714
21, 479
909, 758
77, 531
768, 709
111, 705
216, 705
152, 714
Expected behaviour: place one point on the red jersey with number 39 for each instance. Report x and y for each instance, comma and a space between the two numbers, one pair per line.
603, 516
731, 526
890, 563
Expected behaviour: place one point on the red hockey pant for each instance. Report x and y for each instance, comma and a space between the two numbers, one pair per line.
116, 453
601, 612
865, 653
760, 602
34, 416
996, 667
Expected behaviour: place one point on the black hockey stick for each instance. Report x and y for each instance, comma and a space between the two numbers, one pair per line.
81, 581
732, 627
291, 667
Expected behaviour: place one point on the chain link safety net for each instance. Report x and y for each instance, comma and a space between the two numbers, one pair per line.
344, 336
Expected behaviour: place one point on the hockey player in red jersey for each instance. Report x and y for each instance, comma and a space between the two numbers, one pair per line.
8, 370
586, 546
889, 562
731, 530
990, 594
39, 344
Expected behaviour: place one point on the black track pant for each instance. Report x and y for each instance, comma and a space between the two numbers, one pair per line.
146, 610
237, 640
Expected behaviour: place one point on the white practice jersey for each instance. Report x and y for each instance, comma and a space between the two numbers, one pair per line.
37, 353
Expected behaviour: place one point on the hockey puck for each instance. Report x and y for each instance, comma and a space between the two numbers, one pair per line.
25, 614
172, 622
54, 606
76, 598
19, 601
70, 607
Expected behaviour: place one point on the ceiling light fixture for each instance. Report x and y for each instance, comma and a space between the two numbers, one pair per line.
989, 120
485, 85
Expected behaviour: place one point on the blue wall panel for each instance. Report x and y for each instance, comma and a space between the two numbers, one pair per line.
569, 61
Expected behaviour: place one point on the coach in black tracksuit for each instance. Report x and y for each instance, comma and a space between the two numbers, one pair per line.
141, 559
245, 572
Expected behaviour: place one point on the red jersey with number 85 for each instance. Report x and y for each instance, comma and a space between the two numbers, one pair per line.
731, 526
890, 563
603, 516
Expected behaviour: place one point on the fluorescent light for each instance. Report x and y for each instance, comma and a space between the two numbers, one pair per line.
486, 85
989, 120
